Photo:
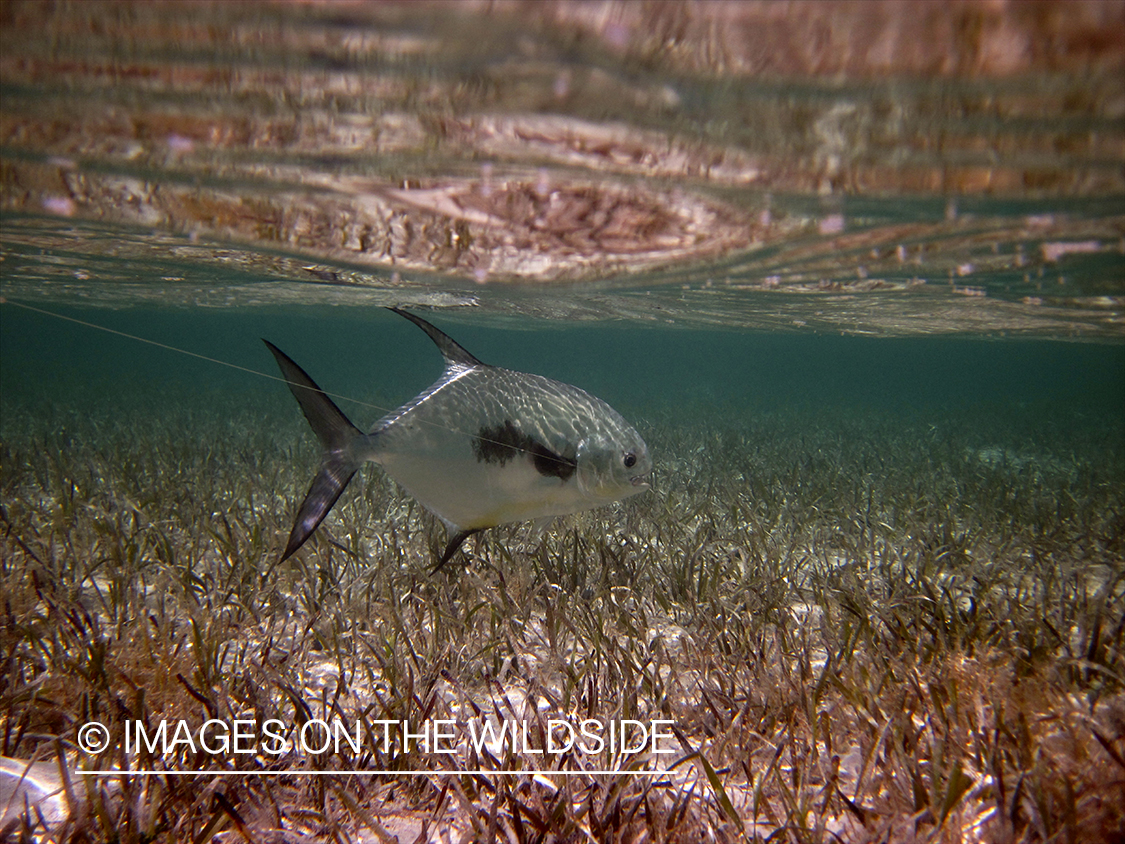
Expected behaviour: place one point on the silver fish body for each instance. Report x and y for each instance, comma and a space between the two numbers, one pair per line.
483, 446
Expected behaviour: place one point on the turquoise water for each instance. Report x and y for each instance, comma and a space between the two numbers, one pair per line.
1043, 401
374, 352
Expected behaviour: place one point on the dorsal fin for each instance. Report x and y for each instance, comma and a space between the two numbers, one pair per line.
451, 350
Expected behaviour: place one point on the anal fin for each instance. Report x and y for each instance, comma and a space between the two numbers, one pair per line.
451, 548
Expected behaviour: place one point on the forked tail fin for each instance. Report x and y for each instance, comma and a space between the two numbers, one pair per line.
342, 455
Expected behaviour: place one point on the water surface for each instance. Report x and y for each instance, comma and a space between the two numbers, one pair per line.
545, 163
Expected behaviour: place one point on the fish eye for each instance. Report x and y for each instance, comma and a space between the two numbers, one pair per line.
630, 460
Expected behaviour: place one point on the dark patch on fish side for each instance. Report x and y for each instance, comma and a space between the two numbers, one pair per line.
502, 443
548, 463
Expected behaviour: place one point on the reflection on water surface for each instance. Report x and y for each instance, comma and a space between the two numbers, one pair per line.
874, 168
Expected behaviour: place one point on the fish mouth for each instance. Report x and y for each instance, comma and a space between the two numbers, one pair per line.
640, 481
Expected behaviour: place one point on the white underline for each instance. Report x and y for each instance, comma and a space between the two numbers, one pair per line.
523, 772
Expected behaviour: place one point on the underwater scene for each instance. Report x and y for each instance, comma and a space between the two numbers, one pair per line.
754, 468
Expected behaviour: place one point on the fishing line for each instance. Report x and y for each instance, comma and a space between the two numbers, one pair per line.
159, 345
6, 301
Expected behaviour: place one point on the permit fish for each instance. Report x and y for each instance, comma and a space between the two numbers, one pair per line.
483, 446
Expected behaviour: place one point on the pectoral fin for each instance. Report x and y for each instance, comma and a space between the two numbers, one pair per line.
539, 526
